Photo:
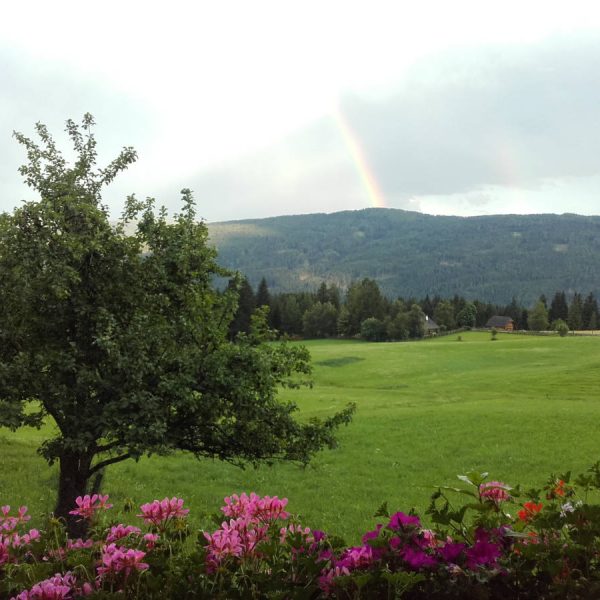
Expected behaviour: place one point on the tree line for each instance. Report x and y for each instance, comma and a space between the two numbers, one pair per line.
363, 310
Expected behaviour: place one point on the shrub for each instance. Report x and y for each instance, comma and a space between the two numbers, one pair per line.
561, 327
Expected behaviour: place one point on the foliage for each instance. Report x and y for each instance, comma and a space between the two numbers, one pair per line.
363, 300
496, 541
494, 334
246, 304
320, 320
575, 318
444, 315
492, 258
560, 326
122, 338
467, 317
416, 322
538, 317
373, 330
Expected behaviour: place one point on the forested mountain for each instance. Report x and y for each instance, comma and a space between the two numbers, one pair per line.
410, 254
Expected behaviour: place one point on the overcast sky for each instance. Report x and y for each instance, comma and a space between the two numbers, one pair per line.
269, 108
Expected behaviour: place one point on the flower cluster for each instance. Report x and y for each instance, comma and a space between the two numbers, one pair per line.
12, 543
550, 548
239, 537
87, 506
494, 491
58, 587
265, 509
161, 512
118, 560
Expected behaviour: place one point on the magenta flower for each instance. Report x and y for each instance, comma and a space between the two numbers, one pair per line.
417, 559
89, 505
450, 551
371, 535
401, 520
161, 512
484, 552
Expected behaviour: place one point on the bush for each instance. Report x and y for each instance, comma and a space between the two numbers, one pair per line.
499, 543
373, 330
561, 327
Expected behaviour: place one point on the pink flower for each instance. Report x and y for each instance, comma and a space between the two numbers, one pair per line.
120, 531
88, 505
8, 523
494, 491
79, 544
254, 507
117, 560
151, 539
160, 512
59, 587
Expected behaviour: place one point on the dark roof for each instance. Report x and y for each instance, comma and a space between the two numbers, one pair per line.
498, 321
430, 323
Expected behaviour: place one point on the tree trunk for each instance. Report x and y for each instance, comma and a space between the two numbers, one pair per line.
73, 479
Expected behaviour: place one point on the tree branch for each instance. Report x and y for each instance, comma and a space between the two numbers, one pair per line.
106, 447
108, 461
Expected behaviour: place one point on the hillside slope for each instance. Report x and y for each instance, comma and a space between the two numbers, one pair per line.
411, 254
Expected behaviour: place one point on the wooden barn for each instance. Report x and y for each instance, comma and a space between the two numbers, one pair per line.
504, 323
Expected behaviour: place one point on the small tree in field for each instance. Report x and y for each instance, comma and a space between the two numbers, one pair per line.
494, 334
122, 339
561, 327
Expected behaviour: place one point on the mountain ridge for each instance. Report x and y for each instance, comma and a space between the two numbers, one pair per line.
489, 257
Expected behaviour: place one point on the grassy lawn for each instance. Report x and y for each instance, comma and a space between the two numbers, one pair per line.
521, 408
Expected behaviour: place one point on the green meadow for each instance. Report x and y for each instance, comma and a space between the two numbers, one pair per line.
520, 407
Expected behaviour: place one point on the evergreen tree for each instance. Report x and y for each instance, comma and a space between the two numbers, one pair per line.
428, 306
559, 309
589, 312
514, 311
575, 320
363, 300
245, 306
263, 298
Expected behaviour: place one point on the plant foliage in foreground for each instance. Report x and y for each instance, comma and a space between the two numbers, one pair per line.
499, 542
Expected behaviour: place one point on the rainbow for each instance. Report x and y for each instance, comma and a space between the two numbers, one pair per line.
372, 188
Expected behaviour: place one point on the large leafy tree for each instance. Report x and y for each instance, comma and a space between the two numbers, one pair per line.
118, 335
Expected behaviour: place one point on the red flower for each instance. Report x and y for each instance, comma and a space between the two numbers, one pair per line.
530, 510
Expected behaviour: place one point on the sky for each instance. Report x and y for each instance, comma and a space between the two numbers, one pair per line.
266, 108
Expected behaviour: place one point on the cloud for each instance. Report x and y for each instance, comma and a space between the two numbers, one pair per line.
474, 121
35, 90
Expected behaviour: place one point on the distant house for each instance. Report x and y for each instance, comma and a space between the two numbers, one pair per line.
431, 327
505, 323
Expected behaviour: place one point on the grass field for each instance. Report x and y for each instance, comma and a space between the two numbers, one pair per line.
521, 408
